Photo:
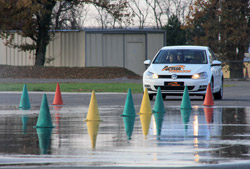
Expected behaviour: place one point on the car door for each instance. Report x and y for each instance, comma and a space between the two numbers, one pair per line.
216, 71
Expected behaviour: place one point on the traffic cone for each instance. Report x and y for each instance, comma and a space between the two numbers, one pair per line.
44, 138
25, 119
93, 127
129, 109
44, 118
159, 111
209, 114
246, 73
129, 125
145, 123
186, 103
185, 114
145, 105
158, 121
208, 101
58, 97
159, 104
25, 101
93, 112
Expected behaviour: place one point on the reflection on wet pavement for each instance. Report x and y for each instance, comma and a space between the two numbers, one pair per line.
178, 137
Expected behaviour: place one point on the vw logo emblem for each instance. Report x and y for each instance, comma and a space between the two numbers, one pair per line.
174, 76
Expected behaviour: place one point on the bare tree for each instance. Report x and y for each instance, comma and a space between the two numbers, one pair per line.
158, 11
140, 11
113, 20
181, 9
67, 15
103, 17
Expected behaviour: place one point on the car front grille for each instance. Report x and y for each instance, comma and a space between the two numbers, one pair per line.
178, 76
174, 87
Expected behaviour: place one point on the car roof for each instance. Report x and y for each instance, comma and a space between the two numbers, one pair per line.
185, 47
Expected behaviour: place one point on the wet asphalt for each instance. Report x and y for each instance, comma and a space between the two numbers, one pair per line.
236, 94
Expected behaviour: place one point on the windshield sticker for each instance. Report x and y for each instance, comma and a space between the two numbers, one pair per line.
177, 68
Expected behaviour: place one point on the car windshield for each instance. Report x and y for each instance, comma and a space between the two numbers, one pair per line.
184, 56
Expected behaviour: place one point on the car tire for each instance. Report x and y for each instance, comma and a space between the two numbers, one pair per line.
218, 95
151, 96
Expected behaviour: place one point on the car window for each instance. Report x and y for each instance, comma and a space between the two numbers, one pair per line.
212, 56
184, 56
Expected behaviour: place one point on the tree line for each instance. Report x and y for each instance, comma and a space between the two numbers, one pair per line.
222, 25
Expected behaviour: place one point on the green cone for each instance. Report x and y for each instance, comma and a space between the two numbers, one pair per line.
185, 103
44, 118
44, 135
25, 119
159, 120
129, 109
185, 114
25, 101
129, 125
159, 104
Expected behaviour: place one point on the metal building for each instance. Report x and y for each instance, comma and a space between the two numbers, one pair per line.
91, 48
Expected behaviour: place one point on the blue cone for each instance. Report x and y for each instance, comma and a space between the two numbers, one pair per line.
25, 101
129, 109
185, 103
44, 118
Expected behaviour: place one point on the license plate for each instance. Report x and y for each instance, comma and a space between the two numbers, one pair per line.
174, 84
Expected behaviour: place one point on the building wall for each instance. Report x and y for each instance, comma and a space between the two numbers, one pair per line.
123, 48
66, 49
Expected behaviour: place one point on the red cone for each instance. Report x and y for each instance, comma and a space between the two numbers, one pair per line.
209, 114
58, 96
209, 97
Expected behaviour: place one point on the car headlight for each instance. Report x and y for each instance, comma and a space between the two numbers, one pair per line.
202, 75
150, 75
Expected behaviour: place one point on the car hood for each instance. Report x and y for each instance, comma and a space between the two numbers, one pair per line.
184, 69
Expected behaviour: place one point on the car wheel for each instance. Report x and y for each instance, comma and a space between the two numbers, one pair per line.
151, 96
218, 95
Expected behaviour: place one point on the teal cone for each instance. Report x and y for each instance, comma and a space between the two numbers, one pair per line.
129, 125
185, 114
185, 103
44, 118
25, 119
25, 101
159, 120
44, 135
129, 109
159, 111
159, 104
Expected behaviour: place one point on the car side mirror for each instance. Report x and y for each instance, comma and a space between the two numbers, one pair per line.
147, 62
216, 63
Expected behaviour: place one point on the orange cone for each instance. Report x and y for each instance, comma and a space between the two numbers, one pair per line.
209, 97
58, 96
246, 73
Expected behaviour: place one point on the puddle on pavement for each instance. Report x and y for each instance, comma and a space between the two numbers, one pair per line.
200, 136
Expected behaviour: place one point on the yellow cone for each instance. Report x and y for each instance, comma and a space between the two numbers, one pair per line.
145, 123
93, 112
145, 105
93, 127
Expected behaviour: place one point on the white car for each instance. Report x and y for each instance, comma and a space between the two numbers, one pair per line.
175, 67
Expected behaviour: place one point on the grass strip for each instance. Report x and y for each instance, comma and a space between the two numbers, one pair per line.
74, 87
